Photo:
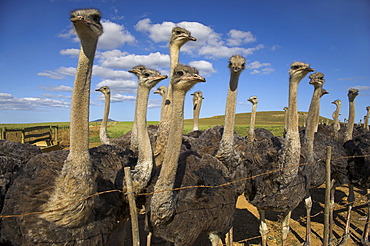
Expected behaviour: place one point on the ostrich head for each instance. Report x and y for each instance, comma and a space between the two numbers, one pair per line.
185, 77
253, 99
236, 64
104, 89
317, 79
162, 90
147, 77
299, 70
87, 23
337, 102
352, 94
323, 92
180, 36
197, 95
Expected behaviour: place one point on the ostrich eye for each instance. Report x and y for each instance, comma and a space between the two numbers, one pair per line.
243, 65
96, 18
178, 32
295, 67
146, 74
180, 73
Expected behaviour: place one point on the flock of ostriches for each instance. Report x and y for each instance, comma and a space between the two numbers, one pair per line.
49, 198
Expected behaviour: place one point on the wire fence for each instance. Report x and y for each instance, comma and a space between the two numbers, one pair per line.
355, 204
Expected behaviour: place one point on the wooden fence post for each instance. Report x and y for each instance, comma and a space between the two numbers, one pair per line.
133, 209
327, 196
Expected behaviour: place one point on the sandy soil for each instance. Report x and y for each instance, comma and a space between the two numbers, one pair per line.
246, 224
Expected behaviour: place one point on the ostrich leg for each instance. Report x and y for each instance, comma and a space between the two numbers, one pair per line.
365, 234
285, 227
308, 204
263, 227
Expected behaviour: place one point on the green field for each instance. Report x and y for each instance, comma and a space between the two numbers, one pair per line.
270, 120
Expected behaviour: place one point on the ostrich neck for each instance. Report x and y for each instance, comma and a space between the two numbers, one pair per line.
166, 112
134, 131
196, 114
143, 168
312, 122
79, 132
77, 168
351, 121
292, 147
336, 124
252, 123
162, 203
104, 137
228, 135
366, 122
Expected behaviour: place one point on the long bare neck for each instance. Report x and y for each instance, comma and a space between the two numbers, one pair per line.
166, 113
77, 169
196, 113
162, 107
252, 123
366, 122
312, 122
134, 131
351, 121
104, 137
292, 146
162, 204
145, 159
228, 135
336, 120
79, 125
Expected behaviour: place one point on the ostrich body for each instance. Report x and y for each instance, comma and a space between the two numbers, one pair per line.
60, 186
284, 189
336, 113
254, 101
179, 36
180, 216
13, 157
197, 104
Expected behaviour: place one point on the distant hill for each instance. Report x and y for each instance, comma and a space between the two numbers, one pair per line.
100, 120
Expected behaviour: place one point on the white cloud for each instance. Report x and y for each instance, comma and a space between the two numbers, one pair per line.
237, 37
204, 67
114, 36
70, 52
110, 73
119, 86
157, 32
9, 102
209, 43
153, 60
63, 88
257, 64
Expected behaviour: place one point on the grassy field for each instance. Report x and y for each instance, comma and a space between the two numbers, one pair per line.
270, 120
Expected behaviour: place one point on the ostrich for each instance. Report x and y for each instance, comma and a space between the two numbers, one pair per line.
352, 94
180, 216
179, 36
148, 78
197, 104
282, 190
103, 133
60, 186
366, 120
162, 90
336, 113
254, 101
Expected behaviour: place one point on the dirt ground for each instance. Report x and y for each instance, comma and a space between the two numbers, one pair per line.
246, 223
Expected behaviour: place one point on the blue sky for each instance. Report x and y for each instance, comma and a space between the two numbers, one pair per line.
38, 53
